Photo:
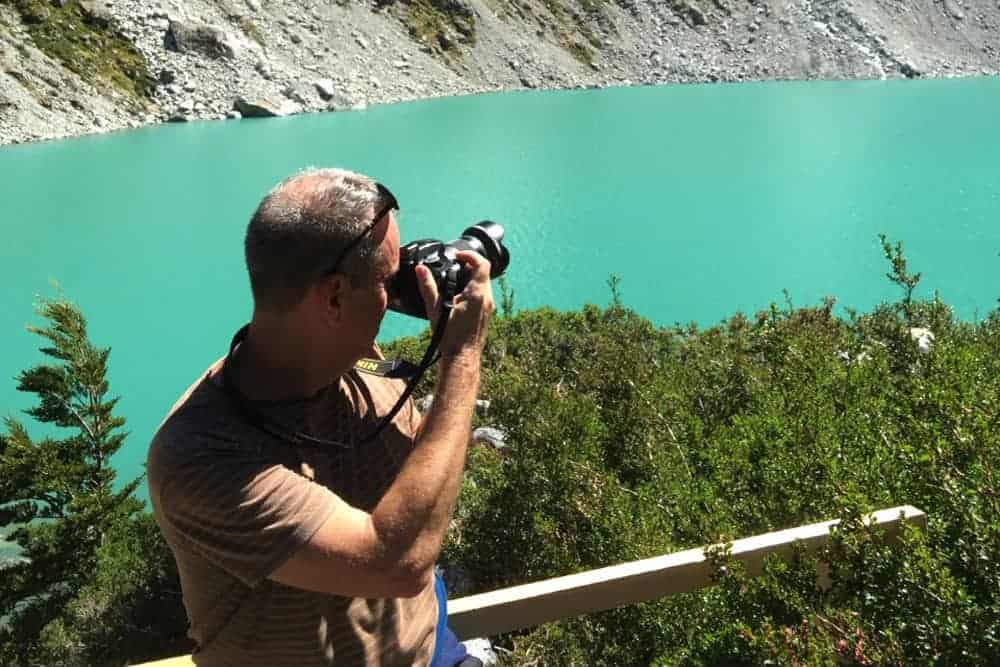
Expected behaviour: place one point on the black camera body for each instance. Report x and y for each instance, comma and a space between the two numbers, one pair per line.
486, 238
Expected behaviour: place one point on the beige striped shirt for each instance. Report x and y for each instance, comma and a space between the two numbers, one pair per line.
234, 503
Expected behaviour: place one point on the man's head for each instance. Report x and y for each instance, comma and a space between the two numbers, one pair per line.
304, 226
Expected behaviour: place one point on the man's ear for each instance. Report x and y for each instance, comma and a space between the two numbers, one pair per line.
332, 292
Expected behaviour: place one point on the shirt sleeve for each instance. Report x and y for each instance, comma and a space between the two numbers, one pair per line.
238, 510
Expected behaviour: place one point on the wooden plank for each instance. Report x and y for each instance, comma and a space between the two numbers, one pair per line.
182, 661
528, 605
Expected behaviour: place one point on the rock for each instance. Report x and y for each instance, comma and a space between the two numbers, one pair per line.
96, 12
695, 16
207, 40
234, 115
325, 88
362, 42
908, 70
166, 76
298, 92
494, 437
924, 339
254, 5
953, 9
264, 69
186, 105
262, 107
177, 117
339, 102
481, 648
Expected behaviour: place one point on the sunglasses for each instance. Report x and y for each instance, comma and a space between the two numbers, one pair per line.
390, 205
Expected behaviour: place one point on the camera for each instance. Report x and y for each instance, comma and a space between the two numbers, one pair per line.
486, 238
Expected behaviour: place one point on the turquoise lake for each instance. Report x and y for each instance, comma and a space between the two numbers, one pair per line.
705, 200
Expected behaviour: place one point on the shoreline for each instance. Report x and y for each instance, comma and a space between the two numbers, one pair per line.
104, 131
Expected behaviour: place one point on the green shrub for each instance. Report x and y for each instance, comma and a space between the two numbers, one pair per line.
627, 440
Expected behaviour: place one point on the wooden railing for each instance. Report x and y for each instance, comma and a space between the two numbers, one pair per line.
489, 614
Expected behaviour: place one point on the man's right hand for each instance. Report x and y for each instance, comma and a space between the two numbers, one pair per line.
468, 325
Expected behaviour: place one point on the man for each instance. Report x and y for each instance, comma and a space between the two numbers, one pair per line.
298, 542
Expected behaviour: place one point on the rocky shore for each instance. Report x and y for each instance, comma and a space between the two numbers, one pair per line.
71, 67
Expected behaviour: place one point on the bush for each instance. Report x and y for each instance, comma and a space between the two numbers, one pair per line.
627, 440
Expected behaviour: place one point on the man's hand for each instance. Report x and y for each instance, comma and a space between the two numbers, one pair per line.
470, 315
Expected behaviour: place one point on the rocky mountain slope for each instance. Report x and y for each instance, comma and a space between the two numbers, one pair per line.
71, 67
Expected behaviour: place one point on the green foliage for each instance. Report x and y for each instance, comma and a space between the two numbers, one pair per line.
87, 44
250, 29
506, 297
899, 275
95, 585
628, 441
440, 25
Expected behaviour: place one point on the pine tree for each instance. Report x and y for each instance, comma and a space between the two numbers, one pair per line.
58, 495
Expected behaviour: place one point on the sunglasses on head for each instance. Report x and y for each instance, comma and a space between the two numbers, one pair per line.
390, 204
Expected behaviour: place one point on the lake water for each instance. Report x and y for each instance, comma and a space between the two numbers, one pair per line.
705, 200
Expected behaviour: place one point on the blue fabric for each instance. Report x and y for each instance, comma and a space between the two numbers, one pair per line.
448, 651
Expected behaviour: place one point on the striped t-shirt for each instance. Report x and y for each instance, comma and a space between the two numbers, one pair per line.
235, 503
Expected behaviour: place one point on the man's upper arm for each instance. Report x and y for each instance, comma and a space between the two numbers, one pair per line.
241, 512
258, 519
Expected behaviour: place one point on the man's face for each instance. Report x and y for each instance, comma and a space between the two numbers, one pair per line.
367, 303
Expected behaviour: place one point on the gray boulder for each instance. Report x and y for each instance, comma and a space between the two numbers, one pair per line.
262, 107
340, 102
954, 10
481, 648
97, 12
299, 92
325, 88
924, 338
200, 38
494, 437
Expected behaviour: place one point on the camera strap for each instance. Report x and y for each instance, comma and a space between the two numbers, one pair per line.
258, 419
448, 288
398, 368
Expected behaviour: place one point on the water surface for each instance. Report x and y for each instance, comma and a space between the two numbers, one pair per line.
704, 199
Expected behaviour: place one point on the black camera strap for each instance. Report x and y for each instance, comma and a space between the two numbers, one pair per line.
448, 287
258, 419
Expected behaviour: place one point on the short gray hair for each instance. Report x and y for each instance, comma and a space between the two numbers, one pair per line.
301, 226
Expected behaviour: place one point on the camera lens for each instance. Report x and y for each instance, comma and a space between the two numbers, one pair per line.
486, 239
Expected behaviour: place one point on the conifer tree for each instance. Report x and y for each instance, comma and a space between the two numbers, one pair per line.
58, 495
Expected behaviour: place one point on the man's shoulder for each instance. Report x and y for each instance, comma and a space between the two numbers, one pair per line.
201, 415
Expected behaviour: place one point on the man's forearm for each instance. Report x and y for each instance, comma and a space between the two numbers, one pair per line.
414, 513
